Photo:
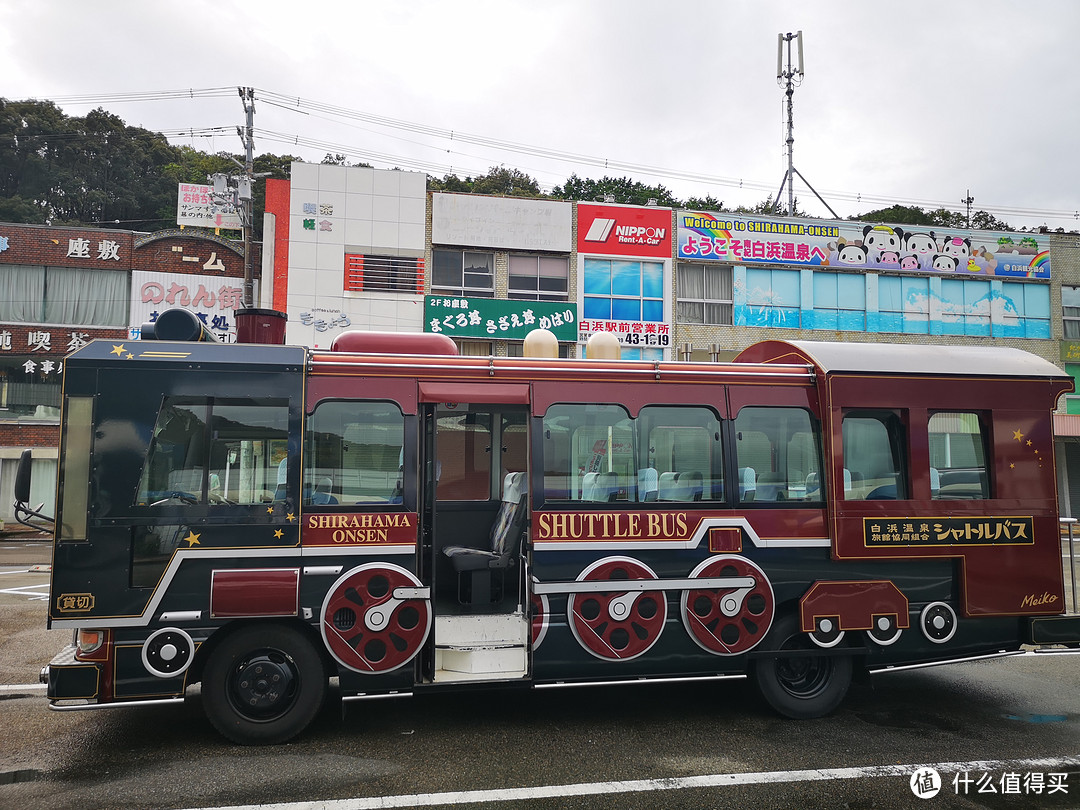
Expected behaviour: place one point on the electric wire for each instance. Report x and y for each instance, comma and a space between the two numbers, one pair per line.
449, 139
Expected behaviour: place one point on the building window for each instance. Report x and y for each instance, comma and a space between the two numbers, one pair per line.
839, 302
538, 278
474, 348
772, 297
904, 304
965, 307
1070, 311
30, 388
383, 273
515, 349
621, 290
30, 294
463, 272
704, 294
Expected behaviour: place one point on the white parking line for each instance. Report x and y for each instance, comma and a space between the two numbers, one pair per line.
674, 783
21, 687
33, 591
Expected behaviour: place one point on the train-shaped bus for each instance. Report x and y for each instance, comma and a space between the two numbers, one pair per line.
261, 519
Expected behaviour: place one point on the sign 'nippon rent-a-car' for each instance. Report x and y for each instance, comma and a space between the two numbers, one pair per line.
620, 231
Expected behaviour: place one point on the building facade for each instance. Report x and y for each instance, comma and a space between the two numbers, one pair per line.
361, 248
669, 284
63, 287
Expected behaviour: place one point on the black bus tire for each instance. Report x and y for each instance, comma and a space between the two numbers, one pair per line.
801, 687
263, 685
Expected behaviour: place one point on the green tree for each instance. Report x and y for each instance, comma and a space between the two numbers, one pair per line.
450, 182
984, 221
507, 182
623, 189
763, 208
898, 214
706, 203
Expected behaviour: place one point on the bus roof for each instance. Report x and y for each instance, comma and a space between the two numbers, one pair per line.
903, 358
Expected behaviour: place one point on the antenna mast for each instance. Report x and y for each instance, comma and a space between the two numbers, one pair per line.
789, 78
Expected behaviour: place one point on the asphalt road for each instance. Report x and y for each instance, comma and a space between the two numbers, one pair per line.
1011, 725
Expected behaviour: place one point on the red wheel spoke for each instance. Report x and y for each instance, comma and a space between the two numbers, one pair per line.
703, 611
617, 625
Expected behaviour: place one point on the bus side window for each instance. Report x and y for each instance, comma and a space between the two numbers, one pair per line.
214, 451
958, 459
246, 439
354, 452
589, 453
874, 460
778, 455
680, 454
176, 462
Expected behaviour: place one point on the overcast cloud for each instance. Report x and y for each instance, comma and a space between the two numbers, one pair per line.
914, 103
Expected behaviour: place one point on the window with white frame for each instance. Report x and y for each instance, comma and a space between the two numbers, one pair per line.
1070, 311
463, 272
538, 278
704, 294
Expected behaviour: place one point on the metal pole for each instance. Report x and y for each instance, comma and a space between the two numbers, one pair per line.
790, 133
1072, 564
247, 94
1070, 522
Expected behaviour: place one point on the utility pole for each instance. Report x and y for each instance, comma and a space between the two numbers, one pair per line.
236, 189
789, 78
244, 189
968, 200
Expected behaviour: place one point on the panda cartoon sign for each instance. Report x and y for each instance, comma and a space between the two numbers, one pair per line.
850, 246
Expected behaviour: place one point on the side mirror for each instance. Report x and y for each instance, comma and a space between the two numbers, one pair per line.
22, 477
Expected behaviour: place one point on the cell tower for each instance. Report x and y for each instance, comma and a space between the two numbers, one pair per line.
789, 78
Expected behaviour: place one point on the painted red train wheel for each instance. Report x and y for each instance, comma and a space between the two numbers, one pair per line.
365, 627
617, 625
728, 621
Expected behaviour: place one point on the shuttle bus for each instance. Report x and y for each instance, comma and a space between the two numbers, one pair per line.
262, 519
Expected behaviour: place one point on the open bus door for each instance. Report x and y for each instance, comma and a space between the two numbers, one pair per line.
473, 518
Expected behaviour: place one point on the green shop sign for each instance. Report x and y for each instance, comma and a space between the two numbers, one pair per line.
498, 319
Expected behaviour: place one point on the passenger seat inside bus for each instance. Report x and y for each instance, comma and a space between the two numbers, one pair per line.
747, 484
647, 484
772, 486
323, 490
479, 564
603, 487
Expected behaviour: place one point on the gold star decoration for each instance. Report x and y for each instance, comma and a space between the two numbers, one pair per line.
290, 517
278, 534
1029, 442
269, 510
192, 539
119, 350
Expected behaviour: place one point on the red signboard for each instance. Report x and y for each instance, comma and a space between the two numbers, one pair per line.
615, 230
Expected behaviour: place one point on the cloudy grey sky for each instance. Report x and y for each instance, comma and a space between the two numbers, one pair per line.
915, 103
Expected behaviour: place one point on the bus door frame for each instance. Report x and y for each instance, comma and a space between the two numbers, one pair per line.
495, 396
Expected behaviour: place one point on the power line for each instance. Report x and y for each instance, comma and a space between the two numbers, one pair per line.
453, 137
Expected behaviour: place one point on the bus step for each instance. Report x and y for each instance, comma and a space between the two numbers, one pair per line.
486, 630
501, 661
